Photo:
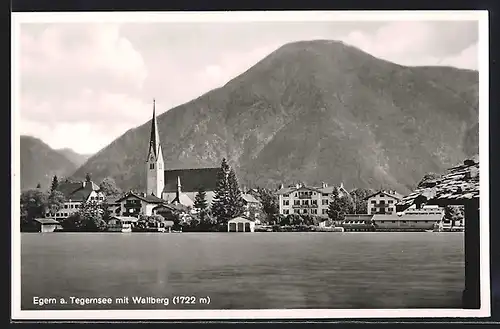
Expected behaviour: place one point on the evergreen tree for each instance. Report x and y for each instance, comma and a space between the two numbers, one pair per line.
221, 197
108, 187
339, 207
269, 203
236, 204
55, 184
88, 178
359, 196
38, 185
200, 203
55, 201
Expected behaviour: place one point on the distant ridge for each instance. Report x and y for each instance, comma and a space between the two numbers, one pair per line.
39, 163
314, 111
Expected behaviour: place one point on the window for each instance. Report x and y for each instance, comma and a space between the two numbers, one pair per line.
315, 202
286, 202
325, 194
286, 211
296, 194
151, 166
390, 201
305, 211
404, 222
286, 195
373, 202
324, 202
314, 211
65, 206
389, 209
374, 209
305, 202
296, 202
323, 211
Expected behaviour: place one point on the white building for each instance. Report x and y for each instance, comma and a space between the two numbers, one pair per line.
135, 204
76, 193
383, 202
306, 200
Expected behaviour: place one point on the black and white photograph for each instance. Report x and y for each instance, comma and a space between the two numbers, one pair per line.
250, 165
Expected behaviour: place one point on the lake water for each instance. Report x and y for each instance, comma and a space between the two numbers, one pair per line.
246, 271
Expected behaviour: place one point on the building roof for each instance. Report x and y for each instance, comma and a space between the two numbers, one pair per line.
407, 217
325, 189
112, 199
46, 221
458, 184
240, 219
147, 198
395, 195
358, 217
125, 218
76, 191
191, 179
171, 206
249, 198
184, 200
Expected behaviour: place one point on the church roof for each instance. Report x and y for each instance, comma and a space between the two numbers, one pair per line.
191, 179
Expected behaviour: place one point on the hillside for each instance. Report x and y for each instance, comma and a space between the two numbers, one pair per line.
314, 111
77, 158
39, 163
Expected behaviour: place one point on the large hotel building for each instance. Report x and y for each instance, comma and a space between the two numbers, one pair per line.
306, 200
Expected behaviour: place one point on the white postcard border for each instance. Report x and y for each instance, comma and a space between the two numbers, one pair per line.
304, 16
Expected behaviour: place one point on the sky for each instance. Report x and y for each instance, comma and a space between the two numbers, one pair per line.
85, 84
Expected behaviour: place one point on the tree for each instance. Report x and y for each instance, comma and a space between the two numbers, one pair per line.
359, 196
55, 184
38, 185
269, 203
221, 198
454, 214
339, 207
91, 216
236, 204
88, 178
108, 187
200, 203
427, 178
55, 201
33, 205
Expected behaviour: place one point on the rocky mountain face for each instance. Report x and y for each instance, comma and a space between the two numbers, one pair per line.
315, 111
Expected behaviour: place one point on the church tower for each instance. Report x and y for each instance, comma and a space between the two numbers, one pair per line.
154, 164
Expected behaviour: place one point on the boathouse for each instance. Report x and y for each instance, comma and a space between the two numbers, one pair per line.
46, 224
121, 223
459, 186
241, 224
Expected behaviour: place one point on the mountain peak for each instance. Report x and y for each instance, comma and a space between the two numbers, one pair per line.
315, 111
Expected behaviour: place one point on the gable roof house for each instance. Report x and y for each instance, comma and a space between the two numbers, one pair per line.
135, 204
458, 186
75, 193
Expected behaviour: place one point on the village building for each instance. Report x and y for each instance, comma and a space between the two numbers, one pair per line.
76, 193
307, 200
357, 223
114, 207
459, 187
121, 223
383, 202
134, 204
241, 224
45, 225
177, 185
251, 207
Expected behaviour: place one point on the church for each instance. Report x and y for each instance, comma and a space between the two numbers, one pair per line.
178, 185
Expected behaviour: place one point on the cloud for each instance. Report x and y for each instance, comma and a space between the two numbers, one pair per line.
70, 56
83, 85
87, 122
417, 43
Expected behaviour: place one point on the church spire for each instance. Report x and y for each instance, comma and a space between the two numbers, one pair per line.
154, 140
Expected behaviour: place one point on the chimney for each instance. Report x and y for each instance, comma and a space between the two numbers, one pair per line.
297, 185
342, 185
323, 184
281, 186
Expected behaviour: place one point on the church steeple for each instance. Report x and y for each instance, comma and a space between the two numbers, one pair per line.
154, 162
154, 139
